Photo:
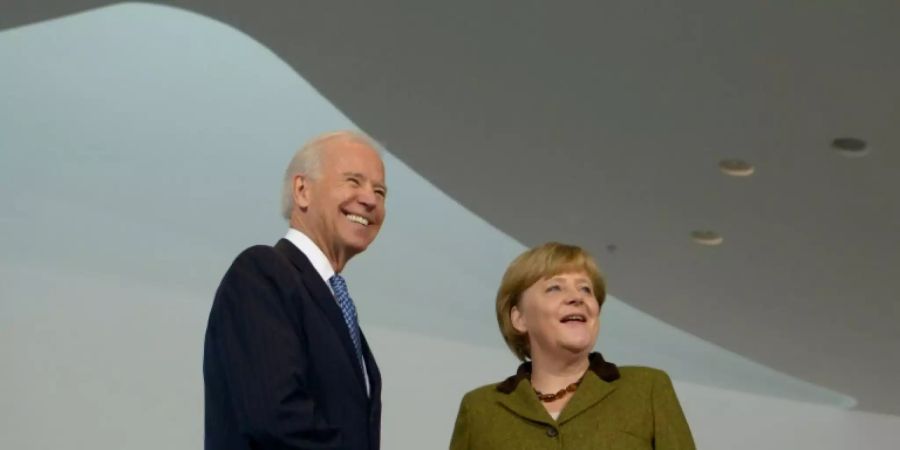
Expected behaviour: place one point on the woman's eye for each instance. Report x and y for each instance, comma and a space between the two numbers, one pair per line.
587, 289
553, 287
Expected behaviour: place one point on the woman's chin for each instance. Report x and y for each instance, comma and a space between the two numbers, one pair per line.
577, 347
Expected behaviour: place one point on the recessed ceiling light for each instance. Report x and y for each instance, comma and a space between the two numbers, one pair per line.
850, 147
706, 237
736, 167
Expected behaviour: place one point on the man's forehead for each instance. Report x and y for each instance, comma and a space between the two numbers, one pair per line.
361, 161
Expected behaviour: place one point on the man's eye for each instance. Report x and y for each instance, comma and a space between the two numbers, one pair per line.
354, 181
380, 193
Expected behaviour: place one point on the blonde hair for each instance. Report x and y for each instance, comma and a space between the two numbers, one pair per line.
540, 262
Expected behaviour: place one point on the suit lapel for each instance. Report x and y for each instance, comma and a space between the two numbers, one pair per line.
372, 371
590, 392
324, 299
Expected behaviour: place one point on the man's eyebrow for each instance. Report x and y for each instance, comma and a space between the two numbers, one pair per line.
361, 176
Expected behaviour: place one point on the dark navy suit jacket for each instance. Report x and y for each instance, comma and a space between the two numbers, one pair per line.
279, 367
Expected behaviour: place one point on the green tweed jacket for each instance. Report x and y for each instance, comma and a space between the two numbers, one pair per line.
627, 408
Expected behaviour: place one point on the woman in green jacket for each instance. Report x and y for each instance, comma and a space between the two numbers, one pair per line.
563, 396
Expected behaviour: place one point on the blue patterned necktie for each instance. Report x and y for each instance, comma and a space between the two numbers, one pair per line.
339, 285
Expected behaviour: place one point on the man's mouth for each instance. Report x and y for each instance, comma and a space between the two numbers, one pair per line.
574, 318
357, 219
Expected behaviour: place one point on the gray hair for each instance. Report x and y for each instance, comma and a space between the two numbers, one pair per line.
307, 162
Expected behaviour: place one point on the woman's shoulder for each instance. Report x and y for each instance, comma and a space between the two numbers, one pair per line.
486, 392
638, 372
641, 375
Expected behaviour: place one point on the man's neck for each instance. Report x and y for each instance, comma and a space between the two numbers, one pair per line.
335, 257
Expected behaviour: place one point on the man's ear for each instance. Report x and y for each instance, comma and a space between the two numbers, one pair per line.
300, 191
517, 320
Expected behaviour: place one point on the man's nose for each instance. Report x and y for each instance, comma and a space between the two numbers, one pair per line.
367, 197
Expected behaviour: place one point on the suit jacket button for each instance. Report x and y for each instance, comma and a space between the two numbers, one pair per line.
552, 432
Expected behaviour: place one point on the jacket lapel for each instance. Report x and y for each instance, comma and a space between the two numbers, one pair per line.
590, 392
517, 394
324, 299
524, 402
372, 371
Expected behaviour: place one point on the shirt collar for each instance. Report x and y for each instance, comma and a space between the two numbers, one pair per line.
316, 257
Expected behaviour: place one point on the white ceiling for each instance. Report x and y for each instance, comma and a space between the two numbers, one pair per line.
602, 123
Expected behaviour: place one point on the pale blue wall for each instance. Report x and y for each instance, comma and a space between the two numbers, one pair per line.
141, 148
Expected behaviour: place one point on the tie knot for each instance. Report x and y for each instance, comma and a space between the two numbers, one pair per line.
338, 283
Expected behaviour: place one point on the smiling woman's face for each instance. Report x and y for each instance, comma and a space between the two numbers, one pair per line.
560, 315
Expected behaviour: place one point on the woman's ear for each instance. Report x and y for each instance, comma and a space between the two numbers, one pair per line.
517, 320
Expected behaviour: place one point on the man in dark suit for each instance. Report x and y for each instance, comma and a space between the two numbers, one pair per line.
285, 364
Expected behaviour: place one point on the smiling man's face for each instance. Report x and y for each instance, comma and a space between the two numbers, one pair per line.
344, 204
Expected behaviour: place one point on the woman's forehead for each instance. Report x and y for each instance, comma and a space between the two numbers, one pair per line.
577, 275
569, 269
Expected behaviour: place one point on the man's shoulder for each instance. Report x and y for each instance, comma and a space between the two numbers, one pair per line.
255, 252
258, 259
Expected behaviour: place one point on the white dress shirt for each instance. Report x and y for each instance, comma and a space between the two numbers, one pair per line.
323, 267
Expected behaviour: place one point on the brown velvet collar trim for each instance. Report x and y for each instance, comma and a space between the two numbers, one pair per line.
607, 371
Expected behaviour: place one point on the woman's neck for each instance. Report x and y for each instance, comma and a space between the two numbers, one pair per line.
550, 374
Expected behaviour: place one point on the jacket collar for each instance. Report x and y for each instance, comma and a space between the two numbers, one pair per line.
520, 398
